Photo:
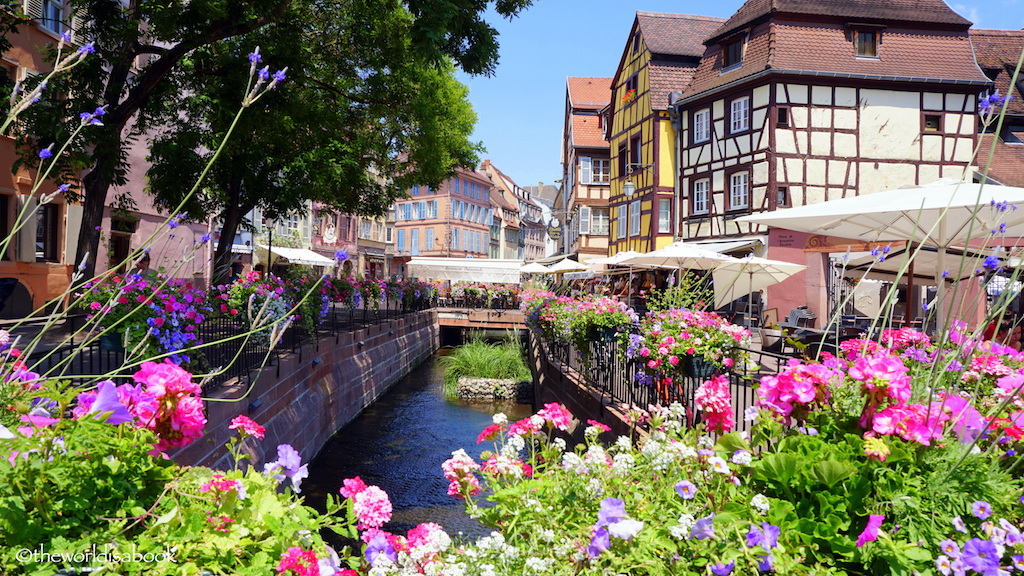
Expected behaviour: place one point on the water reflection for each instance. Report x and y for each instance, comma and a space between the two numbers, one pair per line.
399, 443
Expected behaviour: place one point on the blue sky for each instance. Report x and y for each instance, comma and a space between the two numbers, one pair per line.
521, 108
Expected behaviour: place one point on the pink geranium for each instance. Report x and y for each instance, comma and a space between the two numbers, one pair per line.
299, 562
371, 507
557, 415
247, 425
797, 389
714, 401
352, 486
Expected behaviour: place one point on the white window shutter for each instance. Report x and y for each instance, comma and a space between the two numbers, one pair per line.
306, 234
585, 220
26, 249
78, 26
586, 170
74, 227
34, 9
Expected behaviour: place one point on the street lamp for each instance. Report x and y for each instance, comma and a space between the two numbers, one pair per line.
628, 188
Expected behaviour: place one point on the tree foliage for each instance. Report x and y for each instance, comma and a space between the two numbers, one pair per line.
375, 75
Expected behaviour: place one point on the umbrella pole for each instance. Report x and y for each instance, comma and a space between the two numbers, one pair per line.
910, 295
750, 295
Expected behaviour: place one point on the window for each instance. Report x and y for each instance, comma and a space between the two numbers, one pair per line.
634, 218
421, 210
584, 221
456, 186
622, 158
455, 238
629, 90
432, 209
291, 223
782, 197
602, 170
120, 248
866, 43
634, 153
739, 115
364, 229
390, 234
636, 43
415, 242
406, 211
465, 187
415, 190
701, 197
52, 16
599, 221
465, 241
782, 117
739, 191
664, 215
400, 245
621, 226
428, 239
586, 170
462, 210
733, 54
47, 233
932, 123
702, 125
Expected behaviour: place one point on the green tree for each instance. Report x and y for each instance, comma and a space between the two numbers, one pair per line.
333, 133
139, 70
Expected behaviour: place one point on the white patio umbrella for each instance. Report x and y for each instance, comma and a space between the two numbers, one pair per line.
943, 214
620, 258
534, 268
680, 255
748, 275
567, 265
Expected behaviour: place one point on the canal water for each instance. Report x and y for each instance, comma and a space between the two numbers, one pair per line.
399, 443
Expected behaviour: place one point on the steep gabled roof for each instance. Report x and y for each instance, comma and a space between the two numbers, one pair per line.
589, 93
997, 53
928, 12
675, 34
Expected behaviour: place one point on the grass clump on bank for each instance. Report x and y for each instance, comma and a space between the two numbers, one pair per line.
479, 359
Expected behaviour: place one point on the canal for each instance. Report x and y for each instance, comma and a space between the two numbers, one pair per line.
399, 443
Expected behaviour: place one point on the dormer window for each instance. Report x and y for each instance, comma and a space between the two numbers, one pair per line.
866, 42
733, 53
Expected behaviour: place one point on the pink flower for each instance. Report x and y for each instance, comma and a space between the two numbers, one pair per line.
352, 486
299, 562
673, 360
489, 433
95, 306
557, 415
870, 532
603, 427
714, 401
372, 507
247, 425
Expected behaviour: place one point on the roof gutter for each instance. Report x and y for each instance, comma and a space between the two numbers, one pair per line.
817, 74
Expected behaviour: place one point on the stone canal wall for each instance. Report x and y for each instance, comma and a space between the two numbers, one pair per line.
312, 393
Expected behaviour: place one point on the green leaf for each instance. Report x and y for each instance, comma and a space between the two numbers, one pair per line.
831, 472
779, 468
165, 518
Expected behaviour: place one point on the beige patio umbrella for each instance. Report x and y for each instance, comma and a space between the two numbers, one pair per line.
748, 275
943, 214
534, 268
567, 265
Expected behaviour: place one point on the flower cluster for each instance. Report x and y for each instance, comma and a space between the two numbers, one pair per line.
485, 295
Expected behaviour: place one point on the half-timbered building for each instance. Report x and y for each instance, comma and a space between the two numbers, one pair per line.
797, 102
658, 61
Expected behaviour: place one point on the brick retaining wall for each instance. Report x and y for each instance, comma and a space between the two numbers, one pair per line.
318, 392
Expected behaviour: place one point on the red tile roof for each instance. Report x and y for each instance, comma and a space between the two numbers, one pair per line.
822, 48
665, 78
1007, 163
676, 34
586, 131
930, 12
998, 52
591, 93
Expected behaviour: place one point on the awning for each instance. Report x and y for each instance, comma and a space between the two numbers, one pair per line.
294, 256
731, 246
465, 269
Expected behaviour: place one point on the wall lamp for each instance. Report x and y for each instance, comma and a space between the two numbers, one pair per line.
628, 188
255, 405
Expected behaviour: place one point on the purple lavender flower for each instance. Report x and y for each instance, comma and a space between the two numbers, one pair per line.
254, 56
288, 465
341, 255
45, 153
66, 36
378, 547
87, 49
264, 73
204, 238
991, 262
279, 76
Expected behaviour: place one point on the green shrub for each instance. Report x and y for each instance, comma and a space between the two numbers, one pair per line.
478, 359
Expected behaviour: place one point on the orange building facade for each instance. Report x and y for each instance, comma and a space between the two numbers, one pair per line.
452, 221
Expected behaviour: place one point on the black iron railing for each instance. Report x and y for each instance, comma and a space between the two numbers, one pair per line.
225, 353
605, 370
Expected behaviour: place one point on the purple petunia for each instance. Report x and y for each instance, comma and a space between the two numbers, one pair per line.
766, 536
378, 547
599, 542
723, 569
288, 465
704, 528
981, 556
686, 490
981, 509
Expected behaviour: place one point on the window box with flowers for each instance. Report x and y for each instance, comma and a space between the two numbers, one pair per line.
629, 96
